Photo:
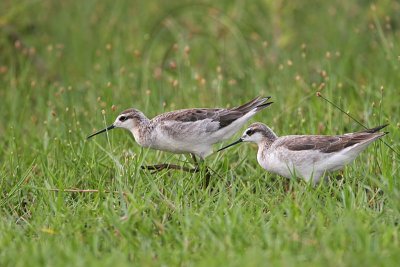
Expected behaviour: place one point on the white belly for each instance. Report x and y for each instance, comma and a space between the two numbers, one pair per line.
274, 165
291, 165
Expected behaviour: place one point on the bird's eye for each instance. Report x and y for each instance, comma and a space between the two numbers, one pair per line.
122, 118
249, 132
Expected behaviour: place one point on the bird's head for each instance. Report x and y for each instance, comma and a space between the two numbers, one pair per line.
128, 119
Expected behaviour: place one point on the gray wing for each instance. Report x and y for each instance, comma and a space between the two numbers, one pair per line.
223, 117
327, 144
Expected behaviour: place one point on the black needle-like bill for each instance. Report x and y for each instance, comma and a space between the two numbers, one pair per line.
101, 131
234, 143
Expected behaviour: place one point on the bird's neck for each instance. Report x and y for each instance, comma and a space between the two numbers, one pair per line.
263, 146
265, 143
142, 132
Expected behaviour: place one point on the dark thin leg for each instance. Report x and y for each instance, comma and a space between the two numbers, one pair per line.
208, 177
194, 159
207, 173
167, 166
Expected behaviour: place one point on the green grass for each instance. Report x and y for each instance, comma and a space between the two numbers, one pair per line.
78, 63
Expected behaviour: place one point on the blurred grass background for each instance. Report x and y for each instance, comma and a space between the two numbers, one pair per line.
69, 67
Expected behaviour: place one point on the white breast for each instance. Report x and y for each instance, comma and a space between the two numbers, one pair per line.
287, 163
272, 163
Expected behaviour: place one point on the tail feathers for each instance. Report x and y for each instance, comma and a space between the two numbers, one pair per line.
248, 105
376, 129
262, 106
255, 103
370, 135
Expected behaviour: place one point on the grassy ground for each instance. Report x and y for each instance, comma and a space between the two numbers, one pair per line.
68, 67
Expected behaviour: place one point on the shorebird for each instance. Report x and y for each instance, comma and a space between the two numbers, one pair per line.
191, 131
306, 156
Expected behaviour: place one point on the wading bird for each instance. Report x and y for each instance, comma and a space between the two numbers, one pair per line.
191, 131
306, 156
